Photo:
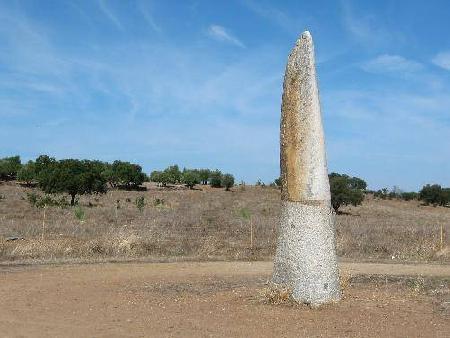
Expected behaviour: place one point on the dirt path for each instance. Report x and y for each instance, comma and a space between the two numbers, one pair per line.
210, 299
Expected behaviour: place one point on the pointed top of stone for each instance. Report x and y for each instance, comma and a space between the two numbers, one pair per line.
304, 173
304, 37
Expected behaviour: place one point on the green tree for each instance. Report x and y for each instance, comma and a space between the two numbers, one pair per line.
172, 174
215, 179
160, 177
204, 175
190, 178
434, 194
227, 181
155, 176
27, 173
127, 174
110, 175
346, 190
73, 177
277, 182
445, 196
9, 167
43, 162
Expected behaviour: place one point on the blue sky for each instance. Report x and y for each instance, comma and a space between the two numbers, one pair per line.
199, 83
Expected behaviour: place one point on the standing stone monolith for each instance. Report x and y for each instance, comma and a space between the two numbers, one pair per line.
305, 260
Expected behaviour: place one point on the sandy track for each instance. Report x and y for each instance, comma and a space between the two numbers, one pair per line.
207, 299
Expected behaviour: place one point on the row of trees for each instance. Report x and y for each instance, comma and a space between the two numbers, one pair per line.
435, 195
78, 177
351, 190
191, 177
346, 190
430, 194
395, 193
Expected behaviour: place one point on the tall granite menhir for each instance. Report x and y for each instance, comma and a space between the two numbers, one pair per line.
305, 260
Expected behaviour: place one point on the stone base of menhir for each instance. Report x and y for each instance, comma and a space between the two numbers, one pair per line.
305, 260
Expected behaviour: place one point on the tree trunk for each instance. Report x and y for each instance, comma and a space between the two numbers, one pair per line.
72, 201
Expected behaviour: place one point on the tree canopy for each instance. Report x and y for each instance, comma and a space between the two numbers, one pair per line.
434, 194
74, 177
9, 167
227, 181
346, 190
124, 174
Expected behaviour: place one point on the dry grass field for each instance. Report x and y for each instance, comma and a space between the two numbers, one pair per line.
177, 223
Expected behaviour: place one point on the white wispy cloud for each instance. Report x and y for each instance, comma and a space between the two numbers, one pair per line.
387, 63
220, 33
366, 28
274, 15
110, 14
146, 13
442, 60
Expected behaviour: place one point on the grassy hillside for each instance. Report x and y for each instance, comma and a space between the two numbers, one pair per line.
206, 223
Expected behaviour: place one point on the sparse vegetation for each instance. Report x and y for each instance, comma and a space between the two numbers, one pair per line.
207, 223
140, 203
79, 213
183, 221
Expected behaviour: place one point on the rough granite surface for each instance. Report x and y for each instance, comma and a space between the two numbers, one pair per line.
305, 260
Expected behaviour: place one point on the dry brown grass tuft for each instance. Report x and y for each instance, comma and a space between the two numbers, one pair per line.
277, 295
206, 223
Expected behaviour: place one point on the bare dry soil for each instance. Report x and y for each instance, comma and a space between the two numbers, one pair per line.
217, 299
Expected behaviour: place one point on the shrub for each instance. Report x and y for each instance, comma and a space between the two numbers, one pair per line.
39, 201
140, 203
158, 202
408, 196
32, 198
244, 213
79, 213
